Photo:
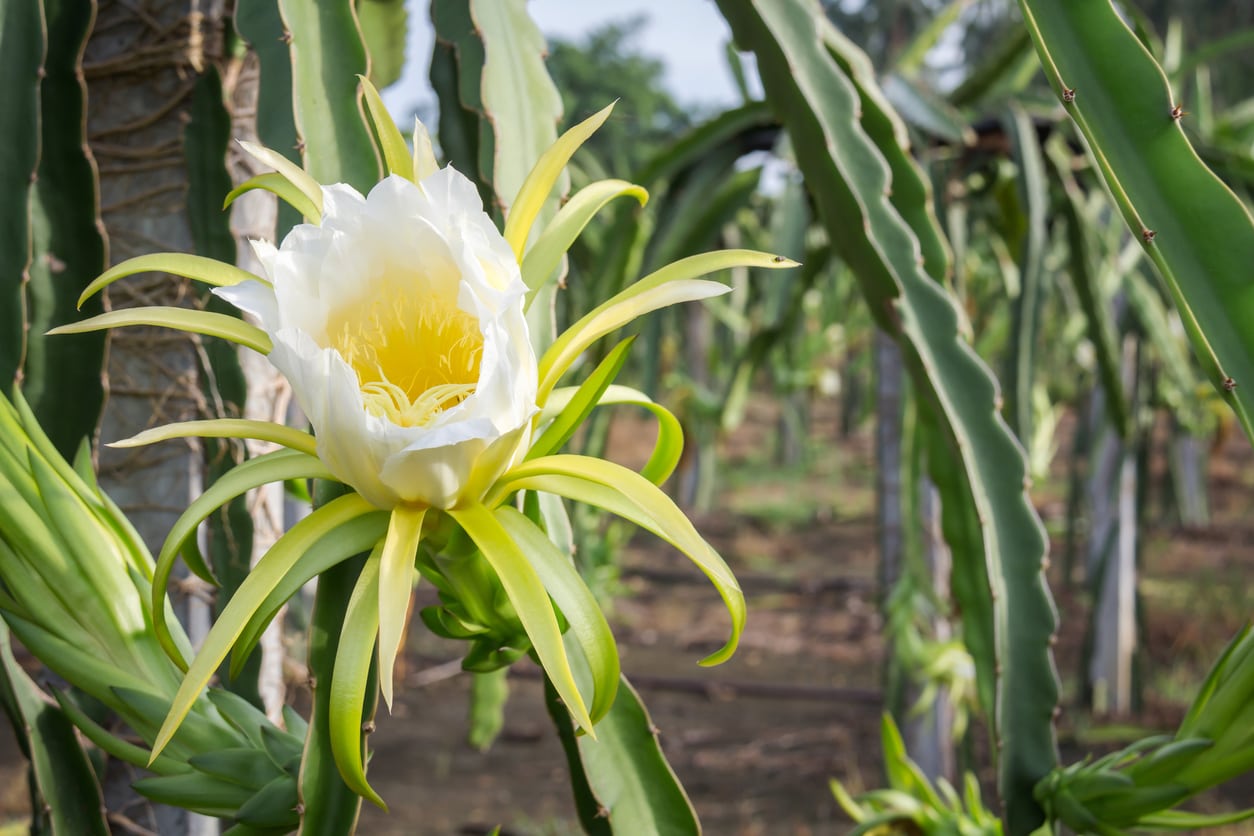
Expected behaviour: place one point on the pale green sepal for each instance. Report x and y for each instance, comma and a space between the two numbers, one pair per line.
670, 433
279, 186
207, 270
289, 437
271, 467
424, 154
624, 492
251, 593
350, 677
577, 603
544, 256
296, 175
181, 319
1186, 820
392, 145
530, 599
535, 189
359, 535
565, 414
396, 582
667, 286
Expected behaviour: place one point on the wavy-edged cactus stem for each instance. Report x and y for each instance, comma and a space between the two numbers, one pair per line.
999, 565
1197, 233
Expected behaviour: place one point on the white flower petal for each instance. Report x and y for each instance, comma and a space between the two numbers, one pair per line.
254, 298
374, 264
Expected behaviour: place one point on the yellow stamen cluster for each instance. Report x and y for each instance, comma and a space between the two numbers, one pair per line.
415, 354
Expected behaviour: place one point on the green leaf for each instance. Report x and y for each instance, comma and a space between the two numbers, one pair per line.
199, 268
269, 570
21, 62
129, 753
575, 601
530, 599
621, 780
181, 319
629, 495
1098, 312
273, 805
1196, 231
198, 793
243, 766
1033, 193
353, 660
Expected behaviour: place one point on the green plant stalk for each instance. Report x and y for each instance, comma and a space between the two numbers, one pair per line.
63, 375
622, 782
1098, 315
489, 691
22, 44
1033, 196
327, 57
260, 23
1193, 228
329, 807
384, 27
850, 181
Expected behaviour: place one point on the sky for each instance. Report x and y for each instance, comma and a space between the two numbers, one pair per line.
687, 35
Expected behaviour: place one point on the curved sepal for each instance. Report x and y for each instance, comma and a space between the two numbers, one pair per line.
288, 437
588, 626
252, 592
624, 492
271, 467
282, 188
673, 283
540, 181
670, 436
201, 269
388, 137
351, 676
396, 582
544, 256
180, 319
294, 174
530, 599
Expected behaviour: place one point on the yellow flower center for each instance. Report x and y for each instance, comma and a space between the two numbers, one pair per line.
415, 355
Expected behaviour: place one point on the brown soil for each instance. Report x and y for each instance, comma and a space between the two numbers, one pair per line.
757, 760
756, 740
